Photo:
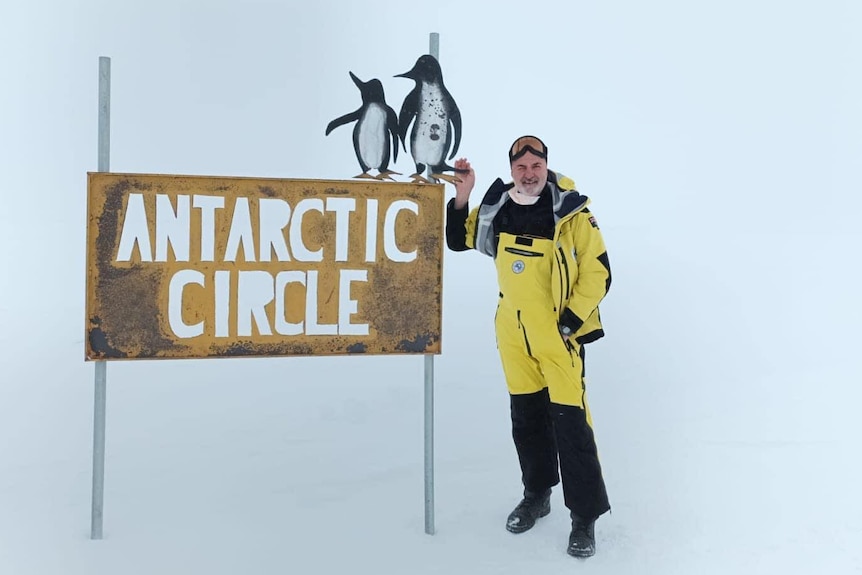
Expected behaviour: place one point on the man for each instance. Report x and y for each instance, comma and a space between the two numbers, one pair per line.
553, 271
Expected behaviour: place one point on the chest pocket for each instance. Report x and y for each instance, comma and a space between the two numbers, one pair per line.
524, 270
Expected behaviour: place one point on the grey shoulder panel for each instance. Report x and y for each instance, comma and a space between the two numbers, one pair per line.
494, 199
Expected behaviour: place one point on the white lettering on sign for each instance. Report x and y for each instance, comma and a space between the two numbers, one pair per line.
371, 231
389, 244
208, 206
240, 232
222, 303
135, 230
172, 228
347, 306
342, 208
255, 292
274, 217
258, 289
260, 302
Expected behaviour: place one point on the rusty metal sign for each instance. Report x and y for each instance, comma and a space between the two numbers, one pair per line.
199, 266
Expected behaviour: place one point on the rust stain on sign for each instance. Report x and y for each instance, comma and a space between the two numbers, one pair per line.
199, 266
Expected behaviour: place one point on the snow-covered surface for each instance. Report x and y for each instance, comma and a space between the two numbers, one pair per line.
721, 146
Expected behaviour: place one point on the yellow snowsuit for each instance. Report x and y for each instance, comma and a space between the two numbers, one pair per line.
539, 279
545, 282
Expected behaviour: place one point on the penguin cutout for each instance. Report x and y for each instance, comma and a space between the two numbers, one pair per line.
375, 122
436, 121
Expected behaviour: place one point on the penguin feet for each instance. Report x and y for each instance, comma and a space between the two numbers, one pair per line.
386, 175
418, 178
365, 176
451, 179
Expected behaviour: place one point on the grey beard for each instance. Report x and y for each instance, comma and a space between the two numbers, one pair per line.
521, 198
520, 188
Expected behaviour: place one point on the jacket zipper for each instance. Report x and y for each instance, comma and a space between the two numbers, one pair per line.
566, 267
562, 296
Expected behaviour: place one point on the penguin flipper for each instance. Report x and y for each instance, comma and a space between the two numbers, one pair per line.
345, 119
392, 127
455, 119
409, 109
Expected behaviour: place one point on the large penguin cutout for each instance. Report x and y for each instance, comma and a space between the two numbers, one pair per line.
436, 120
376, 122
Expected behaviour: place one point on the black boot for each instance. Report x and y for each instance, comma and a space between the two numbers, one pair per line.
582, 541
531, 507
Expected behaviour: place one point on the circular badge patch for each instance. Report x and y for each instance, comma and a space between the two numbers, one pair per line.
518, 266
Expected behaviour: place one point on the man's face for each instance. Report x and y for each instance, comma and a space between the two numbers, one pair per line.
530, 174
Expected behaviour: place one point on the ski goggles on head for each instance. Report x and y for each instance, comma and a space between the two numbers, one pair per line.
526, 144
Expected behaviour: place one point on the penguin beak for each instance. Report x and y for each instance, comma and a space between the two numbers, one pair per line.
359, 83
411, 74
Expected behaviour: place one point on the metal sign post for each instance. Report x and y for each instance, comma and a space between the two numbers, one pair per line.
434, 46
101, 380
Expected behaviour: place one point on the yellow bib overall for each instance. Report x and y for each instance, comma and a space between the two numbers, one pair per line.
533, 352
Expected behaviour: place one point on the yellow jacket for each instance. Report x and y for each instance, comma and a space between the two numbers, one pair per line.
581, 274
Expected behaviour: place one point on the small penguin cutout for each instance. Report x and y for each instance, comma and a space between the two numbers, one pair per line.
436, 121
376, 123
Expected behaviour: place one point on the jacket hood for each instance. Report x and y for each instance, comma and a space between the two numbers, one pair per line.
566, 198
